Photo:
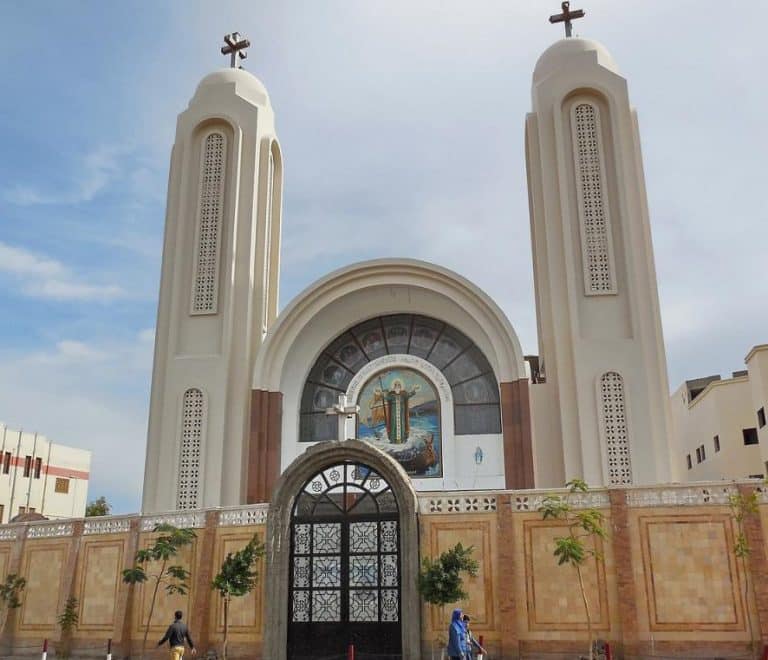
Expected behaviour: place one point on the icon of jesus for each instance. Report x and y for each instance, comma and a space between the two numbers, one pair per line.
396, 410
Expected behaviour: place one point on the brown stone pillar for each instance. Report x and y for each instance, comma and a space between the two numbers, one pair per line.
203, 597
126, 595
14, 567
625, 577
67, 585
758, 564
507, 571
516, 429
264, 445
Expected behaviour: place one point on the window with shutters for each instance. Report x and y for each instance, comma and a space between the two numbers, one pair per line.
192, 420
615, 428
210, 208
594, 216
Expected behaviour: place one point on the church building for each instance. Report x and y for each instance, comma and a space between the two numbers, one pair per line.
407, 355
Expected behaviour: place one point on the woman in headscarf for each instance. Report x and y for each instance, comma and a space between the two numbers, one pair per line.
456, 637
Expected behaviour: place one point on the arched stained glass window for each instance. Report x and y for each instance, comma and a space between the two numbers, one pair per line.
473, 383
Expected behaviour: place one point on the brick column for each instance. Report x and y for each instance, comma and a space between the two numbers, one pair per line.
14, 567
122, 631
264, 445
757, 563
202, 596
516, 428
625, 577
507, 572
67, 586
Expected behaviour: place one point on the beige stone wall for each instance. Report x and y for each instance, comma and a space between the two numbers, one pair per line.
669, 553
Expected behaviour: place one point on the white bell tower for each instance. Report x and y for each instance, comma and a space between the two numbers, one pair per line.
218, 290
606, 391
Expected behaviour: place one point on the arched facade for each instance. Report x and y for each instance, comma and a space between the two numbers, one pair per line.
391, 292
288, 488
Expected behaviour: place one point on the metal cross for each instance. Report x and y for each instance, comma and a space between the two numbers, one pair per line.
566, 17
235, 48
344, 412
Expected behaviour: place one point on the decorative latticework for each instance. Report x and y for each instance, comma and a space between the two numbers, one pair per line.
615, 428
192, 417
345, 554
597, 254
210, 209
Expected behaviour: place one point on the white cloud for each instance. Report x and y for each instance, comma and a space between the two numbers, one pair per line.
87, 394
43, 277
97, 170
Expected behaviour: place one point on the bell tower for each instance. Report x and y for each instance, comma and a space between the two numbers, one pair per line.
600, 338
218, 289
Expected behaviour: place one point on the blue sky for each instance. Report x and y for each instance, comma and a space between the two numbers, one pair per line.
392, 115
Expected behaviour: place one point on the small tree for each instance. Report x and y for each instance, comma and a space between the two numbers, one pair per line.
743, 506
583, 525
98, 507
173, 578
236, 578
67, 623
440, 580
10, 596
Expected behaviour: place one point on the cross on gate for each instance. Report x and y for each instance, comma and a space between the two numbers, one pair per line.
344, 413
236, 45
566, 17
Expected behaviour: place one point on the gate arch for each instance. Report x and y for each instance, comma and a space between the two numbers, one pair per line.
400, 506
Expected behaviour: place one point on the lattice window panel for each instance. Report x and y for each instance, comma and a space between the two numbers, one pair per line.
595, 225
192, 420
205, 290
615, 428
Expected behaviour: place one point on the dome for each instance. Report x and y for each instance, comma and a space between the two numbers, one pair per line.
246, 84
567, 50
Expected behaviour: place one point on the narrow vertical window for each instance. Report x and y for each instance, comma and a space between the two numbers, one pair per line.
27, 465
38, 467
192, 413
7, 463
210, 207
594, 218
615, 429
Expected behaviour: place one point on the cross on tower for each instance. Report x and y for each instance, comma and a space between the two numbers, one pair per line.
235, 47
344, 413
566, 17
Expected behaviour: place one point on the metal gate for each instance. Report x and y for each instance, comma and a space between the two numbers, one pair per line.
345, 567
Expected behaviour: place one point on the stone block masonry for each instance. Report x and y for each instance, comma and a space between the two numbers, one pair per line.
667, 582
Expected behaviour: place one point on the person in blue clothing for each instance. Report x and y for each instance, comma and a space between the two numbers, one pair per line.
457, 637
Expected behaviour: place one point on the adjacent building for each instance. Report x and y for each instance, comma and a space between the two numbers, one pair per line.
721, 422
39, 476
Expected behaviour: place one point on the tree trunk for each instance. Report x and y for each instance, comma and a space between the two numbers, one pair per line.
226, 628
586, 608
752, 646
151, 609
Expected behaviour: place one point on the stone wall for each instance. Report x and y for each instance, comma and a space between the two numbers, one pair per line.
667, 583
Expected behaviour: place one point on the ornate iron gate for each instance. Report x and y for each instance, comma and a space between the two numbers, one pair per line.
345, 567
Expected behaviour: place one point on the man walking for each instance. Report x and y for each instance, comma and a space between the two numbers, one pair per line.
175, 635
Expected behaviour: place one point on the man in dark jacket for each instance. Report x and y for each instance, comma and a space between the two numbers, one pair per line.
175, 635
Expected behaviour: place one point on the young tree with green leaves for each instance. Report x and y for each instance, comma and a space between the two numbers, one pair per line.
67, 621
10, 596
236, 578
98, 507
585, 527
742, 506
153, 564
440, 580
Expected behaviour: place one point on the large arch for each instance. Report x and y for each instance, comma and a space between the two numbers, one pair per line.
342, 300
484, 321
278, 542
